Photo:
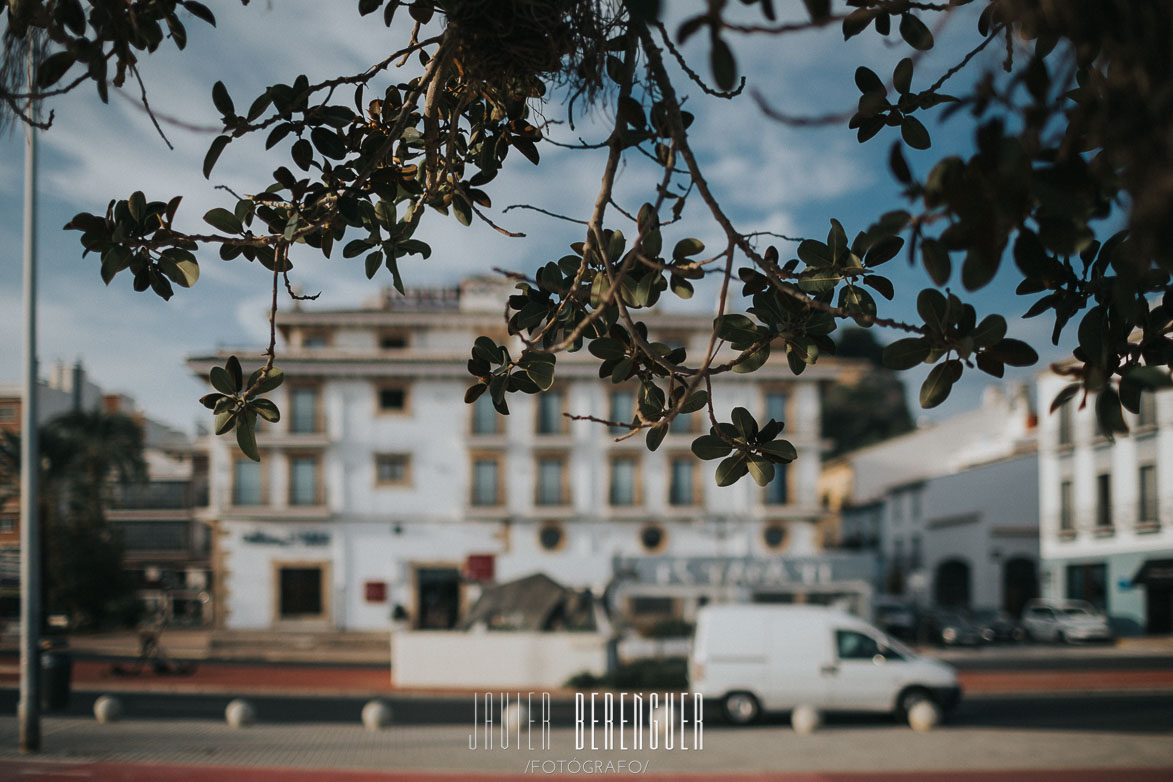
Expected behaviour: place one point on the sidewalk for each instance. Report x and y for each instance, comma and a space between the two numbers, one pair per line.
758, 753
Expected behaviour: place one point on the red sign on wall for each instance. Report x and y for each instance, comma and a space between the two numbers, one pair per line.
375, 591
479, 567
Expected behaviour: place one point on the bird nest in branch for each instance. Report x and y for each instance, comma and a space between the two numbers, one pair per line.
514, 47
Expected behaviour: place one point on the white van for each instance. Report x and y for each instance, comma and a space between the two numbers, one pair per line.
759, 657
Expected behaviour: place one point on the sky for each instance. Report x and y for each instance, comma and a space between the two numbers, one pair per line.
769, 177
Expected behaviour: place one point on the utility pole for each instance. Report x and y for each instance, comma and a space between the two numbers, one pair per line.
29, 709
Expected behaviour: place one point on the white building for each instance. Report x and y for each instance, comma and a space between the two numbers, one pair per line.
381, 495
1107, 509
949, 508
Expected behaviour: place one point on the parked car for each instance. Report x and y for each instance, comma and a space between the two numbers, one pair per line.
951, 627
895, 617
996, 626
1065, 621
759, 658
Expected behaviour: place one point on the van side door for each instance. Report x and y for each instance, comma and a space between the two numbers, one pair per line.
866, 674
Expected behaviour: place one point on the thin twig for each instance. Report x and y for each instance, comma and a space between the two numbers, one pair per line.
147, 107
545, 212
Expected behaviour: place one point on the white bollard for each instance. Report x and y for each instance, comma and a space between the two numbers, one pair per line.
924, 716
107, 708
240, 713
805, 719
515, 714
376, 715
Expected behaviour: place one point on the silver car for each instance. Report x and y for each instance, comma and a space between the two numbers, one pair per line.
1064, 621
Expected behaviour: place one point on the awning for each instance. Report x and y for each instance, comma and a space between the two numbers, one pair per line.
1155, 572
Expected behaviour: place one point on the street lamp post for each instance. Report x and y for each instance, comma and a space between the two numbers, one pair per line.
29, 708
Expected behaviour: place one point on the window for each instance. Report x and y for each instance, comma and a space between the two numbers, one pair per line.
486, 481
624, 477
7, 413
774, 536
247, 487
153, 535
552, 488
1088, 582
300, 592
7, 524
681, 481
550, 407
777, 490
303, 480
1065, 425
485, 419
684, 423
392, 399
303, 409
1066, 511
1147, 415
652, 538
1147, 512
776, 405
551, 537
622, 410
392, 469
856, 646
315, 339
392, 340
1104, 501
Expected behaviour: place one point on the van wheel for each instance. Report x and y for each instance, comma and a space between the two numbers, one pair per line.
910, 698
1060, 637
741, 708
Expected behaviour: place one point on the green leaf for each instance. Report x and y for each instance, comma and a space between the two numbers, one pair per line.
687, 247
990, 331
655, 436
200, 11
114, 260
246, 435
868, 82
723, 64
222, 100
781, 449
607, 348
902, 76
487, 350
710, 446
883, 251
53, 68
1109, 414
328, 143
695, 402
1014, 352
266, 409
752, 361
914, 133
213, 155
272, 380
937, 385
905, 353
761, 470
222, 381
1149, 377
747, 427
814, 253
184, 273
224, 421
731, 470
542, 373
1066, 395
234, 372
931, 306
223, 220
915, 33
936, 260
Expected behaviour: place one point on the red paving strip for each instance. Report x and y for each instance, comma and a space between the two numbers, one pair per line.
228, 678
978, 682
46, 771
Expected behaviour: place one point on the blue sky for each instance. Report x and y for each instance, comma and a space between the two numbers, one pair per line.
768, 176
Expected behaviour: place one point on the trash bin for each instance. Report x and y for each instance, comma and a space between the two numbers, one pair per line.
56, 672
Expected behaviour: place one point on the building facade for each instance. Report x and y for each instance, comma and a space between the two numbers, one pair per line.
382, 497
1107, 509
948, 510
